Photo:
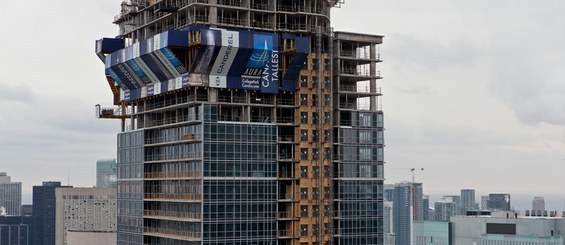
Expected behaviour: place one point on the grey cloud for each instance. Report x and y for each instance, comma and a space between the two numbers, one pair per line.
20, 93
415, 91
429, 53
530, 79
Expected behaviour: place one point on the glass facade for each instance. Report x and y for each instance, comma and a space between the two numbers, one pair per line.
240, 184
360, 174
106, 173
432, 232
130, 188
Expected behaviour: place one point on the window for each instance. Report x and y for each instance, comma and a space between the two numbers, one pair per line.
303, 81
304, 171
365, 171
304, 117
327, 99
303, 193
365, 136
315, 82
365, 119
380, 120
326, 135
303, 135
315, 154
304, 153
314, 100
303, 230
380, 138
304, 100
316, 171
380, 152
365, 153
314, 117
304, 211
315, 135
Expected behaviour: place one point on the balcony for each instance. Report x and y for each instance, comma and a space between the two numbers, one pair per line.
173, 234
286, 234
171, 215
173, 175
286, 197
285, 215
232, 3
173, 197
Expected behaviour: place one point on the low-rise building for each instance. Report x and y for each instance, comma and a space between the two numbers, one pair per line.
507, 228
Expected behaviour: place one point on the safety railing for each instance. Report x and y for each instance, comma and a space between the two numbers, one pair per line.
173, 175
173, 214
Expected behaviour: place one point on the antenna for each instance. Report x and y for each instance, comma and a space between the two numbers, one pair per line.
68, 177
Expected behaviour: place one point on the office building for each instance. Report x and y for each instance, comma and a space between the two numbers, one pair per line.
83, 210
106, 173
245, 122
538, 204
432, 232
10, 195
468, 201
445, 208
403, 213
499, 202
484, 203
506, 228
91, 238
16, 230
44, 213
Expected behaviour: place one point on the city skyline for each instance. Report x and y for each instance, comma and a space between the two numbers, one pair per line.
440, 85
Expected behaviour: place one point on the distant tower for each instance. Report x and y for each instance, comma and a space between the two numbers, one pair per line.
10, 195
106, 173
467, 200
418, 201
538, 204
445, 208
403, 213
484, 203
499, 202
388, 223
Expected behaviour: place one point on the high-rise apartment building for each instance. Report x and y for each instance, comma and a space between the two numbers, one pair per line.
445, 208
106, 173
426, 206
245, 122
468, 200
85, 210
10, 195
418, 201
403, 213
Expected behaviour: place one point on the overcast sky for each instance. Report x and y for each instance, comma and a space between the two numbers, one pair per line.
473, 91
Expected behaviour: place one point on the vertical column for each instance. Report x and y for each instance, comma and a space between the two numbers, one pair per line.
373, 83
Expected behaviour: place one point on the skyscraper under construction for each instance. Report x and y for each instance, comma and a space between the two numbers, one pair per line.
244, 122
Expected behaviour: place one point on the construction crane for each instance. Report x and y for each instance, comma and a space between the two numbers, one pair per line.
413, 171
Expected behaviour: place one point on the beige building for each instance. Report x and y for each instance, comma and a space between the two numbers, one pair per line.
91, 210
90, 238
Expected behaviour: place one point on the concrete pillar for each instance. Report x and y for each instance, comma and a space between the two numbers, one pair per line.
373, 81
